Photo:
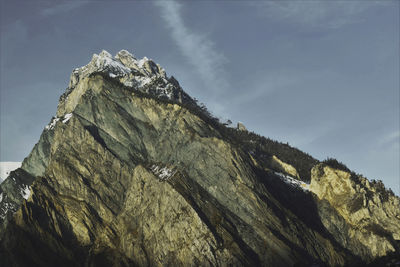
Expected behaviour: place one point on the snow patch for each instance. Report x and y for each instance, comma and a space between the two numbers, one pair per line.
104, 53
104, 61
142, 81
163, 173
1, 197
25, 192
67, 117
293, 182
136, 75
6, 207
54, 121
52, 124
142, 61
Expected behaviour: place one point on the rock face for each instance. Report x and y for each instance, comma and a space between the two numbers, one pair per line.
371, 218
241, 127
132, 172
283, 167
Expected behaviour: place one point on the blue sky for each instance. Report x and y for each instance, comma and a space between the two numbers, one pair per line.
321, 75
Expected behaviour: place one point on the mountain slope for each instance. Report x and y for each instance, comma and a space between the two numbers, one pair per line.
132, 171
6, 167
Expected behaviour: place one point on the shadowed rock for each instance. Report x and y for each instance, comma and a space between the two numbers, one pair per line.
131, 172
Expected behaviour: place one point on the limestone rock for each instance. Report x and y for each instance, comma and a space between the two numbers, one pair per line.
241, 127
281, 166
125, 175
369, 221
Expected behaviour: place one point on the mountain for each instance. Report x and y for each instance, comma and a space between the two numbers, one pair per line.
6, 167
132, 171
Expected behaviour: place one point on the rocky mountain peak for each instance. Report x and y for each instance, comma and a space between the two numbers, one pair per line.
141, 74
127, 58
128, 173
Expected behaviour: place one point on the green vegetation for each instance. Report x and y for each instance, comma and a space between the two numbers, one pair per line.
382, 191
378, 185
334, 163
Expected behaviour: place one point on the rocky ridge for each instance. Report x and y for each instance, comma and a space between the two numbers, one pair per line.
142, 74
132, 172
6, 167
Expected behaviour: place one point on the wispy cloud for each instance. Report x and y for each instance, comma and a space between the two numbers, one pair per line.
318, 13
63, 7
196, 47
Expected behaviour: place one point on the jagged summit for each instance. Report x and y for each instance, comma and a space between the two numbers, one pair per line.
141, 74
123, 65
138, 74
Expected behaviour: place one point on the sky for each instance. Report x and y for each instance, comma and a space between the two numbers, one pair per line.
320, 75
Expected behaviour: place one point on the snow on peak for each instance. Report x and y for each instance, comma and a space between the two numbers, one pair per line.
105, 62
140, 74
104, 53
124, 53
121, 66
54, 120
67, 117
142, 61
52, 124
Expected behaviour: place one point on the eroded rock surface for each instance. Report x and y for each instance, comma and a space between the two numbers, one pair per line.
131, 172
367, 221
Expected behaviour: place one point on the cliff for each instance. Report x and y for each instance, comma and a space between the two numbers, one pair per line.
132, 171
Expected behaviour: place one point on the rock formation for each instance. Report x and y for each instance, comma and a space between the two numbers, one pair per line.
241, 127
132, 172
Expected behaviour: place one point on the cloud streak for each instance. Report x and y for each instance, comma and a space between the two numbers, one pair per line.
196, 48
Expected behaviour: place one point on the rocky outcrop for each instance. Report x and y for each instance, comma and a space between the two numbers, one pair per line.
144, 75
281, 166
129, 174
240, 126
367, 221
